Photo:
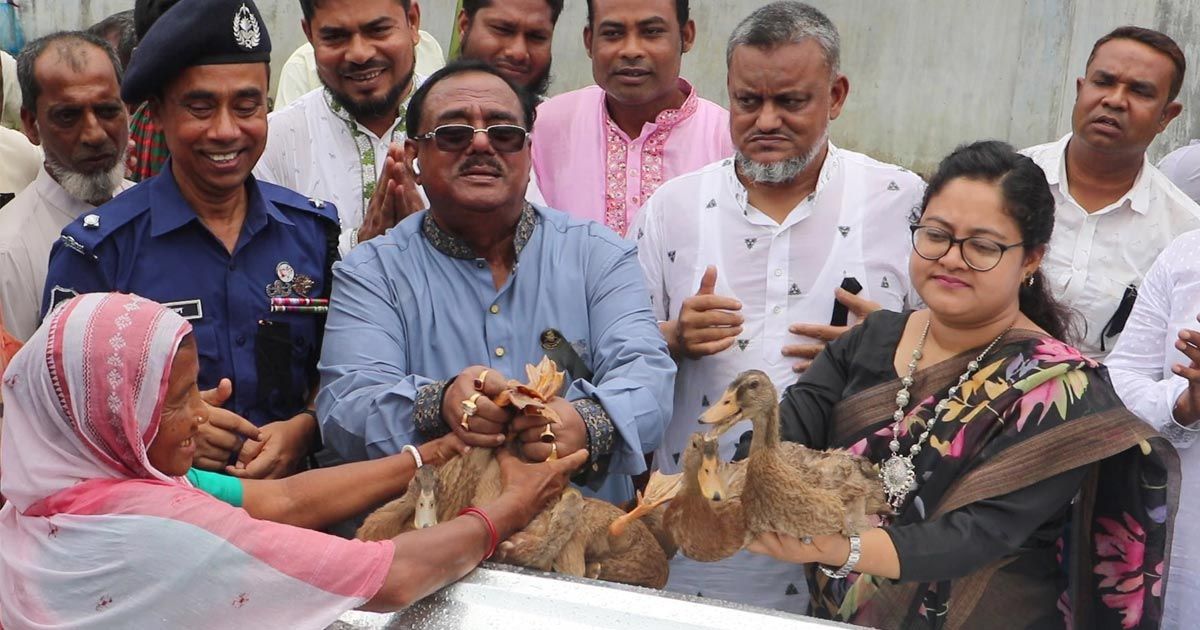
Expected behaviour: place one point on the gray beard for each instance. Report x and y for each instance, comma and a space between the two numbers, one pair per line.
782, 172
94, 188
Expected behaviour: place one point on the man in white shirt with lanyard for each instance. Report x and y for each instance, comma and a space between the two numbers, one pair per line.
343, 144
768, 238
1115, 210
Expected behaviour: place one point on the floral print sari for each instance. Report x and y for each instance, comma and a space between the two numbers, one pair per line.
1036, 408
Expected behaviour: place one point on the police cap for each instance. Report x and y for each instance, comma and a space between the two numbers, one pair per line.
195, 33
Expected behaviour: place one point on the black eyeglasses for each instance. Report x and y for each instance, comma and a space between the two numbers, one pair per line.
980, 254
504, 138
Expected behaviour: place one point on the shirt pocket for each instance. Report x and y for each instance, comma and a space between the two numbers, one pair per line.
208, 347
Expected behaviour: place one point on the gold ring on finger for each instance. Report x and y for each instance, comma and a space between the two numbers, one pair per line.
553, 452
465, 422
547, 435
480, 380
469, 407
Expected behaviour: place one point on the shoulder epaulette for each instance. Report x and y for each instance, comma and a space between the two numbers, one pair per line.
285, 197
86, 233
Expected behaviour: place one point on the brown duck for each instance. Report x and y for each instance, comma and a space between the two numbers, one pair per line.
417, 509
706, 517
791, 489
572, 536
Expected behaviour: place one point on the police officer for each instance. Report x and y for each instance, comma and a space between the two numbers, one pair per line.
246, 261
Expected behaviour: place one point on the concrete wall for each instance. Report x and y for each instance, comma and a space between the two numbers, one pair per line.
925, 75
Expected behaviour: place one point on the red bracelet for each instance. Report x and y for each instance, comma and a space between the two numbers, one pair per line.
493, 535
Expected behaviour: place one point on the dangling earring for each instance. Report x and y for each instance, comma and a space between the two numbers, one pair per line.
1029, 280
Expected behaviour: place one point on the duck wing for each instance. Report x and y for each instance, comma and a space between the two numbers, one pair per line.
781, 497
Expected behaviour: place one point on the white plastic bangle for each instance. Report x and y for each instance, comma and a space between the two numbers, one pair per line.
409, 448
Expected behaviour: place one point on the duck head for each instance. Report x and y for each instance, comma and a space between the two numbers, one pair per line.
425, 483
712, 482
751, 396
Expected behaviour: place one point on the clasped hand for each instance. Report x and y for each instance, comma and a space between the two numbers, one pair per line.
480, 422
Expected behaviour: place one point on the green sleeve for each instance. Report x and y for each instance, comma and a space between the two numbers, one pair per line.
222, 487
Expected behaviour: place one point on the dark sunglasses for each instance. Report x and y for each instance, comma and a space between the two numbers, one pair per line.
504, 138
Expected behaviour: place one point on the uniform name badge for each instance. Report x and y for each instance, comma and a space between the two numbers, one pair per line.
187, 309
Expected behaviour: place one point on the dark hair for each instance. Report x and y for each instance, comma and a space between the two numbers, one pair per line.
471, 7
1028, 200
120, 24
70, 43
1154, 39
309, 7
147, 12
682, 11
416, 106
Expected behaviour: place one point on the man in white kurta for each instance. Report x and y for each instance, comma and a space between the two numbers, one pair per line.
81, 124
846, 216
317, 149
318, 146
855, 225
1141, 367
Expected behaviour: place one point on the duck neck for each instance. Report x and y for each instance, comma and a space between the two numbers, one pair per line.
766, 431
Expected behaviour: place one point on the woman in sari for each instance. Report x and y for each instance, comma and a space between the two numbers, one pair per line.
104, 530
984, 426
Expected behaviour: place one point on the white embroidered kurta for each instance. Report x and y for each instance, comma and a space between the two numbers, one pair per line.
855, 225
316, 152
1095, 257
1140, 367
29, 226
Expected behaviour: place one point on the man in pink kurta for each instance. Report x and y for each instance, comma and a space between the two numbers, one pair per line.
600, 152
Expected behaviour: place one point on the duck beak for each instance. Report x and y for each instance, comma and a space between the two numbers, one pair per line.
711, 484
723, 415
426, 513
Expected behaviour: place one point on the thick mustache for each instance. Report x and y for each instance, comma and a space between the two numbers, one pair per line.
487, 161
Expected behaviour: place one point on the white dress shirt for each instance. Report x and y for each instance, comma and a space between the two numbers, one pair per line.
856, 224
1140, 367
29, 226
1182, 167
1095, 257
314, 151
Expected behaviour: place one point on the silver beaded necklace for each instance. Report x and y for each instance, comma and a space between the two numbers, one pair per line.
898, 473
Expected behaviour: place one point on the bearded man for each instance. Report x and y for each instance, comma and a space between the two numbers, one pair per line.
71, 106
748, 258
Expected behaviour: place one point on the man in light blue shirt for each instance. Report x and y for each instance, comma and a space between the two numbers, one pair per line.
430, 320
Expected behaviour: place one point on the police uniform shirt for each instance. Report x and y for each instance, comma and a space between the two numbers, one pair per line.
148, 241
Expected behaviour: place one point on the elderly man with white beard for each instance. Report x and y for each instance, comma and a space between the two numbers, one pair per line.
71, 91
757, 260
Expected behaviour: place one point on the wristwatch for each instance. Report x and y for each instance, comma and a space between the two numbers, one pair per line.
851, 560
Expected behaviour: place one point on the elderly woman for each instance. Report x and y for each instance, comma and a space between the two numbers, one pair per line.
984, 427
103, 529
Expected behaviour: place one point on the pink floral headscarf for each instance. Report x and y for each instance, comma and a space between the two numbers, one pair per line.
94, 537
83, 396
